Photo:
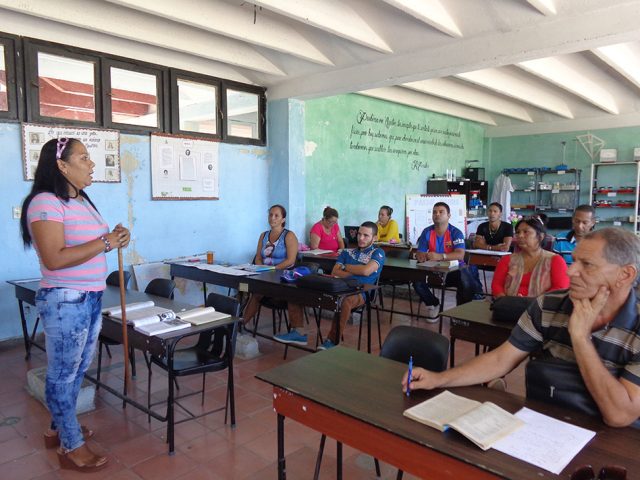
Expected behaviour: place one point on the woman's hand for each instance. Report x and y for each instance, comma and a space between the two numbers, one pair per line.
119, 237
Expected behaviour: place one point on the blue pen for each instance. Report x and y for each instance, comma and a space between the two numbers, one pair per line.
409, 377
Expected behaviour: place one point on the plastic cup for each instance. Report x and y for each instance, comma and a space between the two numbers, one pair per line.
210, 257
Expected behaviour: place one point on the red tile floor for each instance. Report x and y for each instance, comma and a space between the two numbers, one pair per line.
205, 448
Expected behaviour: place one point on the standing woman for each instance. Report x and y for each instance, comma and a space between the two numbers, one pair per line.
325, 234
71, 239
278, 247
387, 227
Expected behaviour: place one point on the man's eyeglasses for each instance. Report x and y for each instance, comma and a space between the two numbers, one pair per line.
60, 146
608, 472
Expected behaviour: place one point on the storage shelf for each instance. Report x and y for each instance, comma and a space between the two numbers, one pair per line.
614, 186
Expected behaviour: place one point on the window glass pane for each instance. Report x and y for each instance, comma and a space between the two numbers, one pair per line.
4, 100
242, 114
67, 88
134, 98
197, 107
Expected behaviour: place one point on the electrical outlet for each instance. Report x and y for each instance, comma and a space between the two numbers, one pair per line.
16, 212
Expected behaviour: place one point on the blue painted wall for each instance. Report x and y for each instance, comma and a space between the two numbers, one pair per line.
160, 229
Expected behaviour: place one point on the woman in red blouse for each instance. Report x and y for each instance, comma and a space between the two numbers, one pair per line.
532, 271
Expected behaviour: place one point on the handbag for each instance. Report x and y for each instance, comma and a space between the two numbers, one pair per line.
509, 309
560, 383
327, 283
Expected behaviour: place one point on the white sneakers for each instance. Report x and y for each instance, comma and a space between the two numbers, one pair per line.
433, 313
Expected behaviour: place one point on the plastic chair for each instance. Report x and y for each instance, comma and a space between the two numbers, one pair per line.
114, 279
162, 287
430, 350
211, 353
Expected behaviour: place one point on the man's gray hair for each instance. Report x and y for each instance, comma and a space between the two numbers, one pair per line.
623, 246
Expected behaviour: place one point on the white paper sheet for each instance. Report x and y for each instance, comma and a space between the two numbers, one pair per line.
544, 441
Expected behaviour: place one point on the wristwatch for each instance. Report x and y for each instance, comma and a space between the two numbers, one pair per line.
344, 267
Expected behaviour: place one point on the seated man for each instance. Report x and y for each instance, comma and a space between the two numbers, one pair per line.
494, 234
442, 241
595, 323
583, 221
364, 264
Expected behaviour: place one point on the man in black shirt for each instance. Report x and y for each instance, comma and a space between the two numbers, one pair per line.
494, 234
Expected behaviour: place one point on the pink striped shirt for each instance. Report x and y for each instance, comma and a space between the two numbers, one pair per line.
82, 223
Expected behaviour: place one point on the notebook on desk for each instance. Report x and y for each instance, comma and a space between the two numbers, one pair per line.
351, 235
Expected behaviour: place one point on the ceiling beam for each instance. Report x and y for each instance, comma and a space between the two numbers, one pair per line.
132, 25
623, 58
573, 32
557, 71
34, 27
546, 7
431, 12
234, 22
405, 96
505, 83
333, 16
471, 96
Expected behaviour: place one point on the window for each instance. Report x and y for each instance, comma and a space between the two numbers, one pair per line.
244, 120
9, 106
132, 96
62, 85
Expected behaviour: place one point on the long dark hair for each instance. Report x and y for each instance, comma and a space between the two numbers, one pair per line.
49, 178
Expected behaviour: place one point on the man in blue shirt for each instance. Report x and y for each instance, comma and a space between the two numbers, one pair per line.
364, 264
442, 241
583, 221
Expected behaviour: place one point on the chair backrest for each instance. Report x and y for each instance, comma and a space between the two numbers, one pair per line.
351, 234
430, 350
114, 279
402, 253
214, 340
162, 287
224, 304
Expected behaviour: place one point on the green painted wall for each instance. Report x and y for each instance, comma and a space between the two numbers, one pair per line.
546, 151
362, 153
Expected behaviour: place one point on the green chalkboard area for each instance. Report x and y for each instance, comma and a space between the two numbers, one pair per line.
362, 153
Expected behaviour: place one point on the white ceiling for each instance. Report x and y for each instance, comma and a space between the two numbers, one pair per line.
517, 66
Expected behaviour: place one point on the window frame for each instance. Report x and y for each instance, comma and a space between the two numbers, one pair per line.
162, 93
176, 75
14, 77
262, 113
32, 48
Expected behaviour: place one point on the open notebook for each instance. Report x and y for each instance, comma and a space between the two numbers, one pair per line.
199, 316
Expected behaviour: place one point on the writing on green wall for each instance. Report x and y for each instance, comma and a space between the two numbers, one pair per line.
363, 152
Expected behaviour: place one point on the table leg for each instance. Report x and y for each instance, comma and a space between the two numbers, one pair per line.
232, 402
339, 460
25, 331
282, 469
368, 324
452, 352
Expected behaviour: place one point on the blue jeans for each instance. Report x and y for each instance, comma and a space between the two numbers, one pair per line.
72, 322
467, 285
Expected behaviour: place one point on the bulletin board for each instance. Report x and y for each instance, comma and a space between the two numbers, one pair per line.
183, 168
103, 147
420, 207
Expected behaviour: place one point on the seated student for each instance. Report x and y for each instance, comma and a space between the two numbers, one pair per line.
325, 234
547, 242
442, 241
278, 247
594, 324
364, 264
494, 234
387, 227
531, 271
583, 221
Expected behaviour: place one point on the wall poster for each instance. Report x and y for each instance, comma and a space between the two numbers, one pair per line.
103, 147
183, 168
420, 207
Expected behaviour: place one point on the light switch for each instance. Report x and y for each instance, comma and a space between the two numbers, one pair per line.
16, 212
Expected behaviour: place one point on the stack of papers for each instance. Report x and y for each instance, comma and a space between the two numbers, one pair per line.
317, 251
162, 327
249, 267
440, 263
148, 318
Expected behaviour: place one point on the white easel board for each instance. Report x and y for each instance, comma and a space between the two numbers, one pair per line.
183, 168
103, 147
420, 207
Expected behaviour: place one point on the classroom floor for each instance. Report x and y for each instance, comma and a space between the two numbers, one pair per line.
205, 448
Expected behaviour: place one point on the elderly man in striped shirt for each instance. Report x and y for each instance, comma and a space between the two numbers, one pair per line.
595, 325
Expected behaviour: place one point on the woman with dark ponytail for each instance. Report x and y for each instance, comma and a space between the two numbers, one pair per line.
71, 240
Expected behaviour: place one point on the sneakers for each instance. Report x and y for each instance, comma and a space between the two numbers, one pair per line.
293, 337
478, 296
433, 313
327, 345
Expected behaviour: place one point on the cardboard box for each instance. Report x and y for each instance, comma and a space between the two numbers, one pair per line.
608, 155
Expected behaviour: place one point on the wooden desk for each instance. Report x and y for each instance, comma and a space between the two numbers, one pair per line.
356, 399
191, 272
472, 322
164, 344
